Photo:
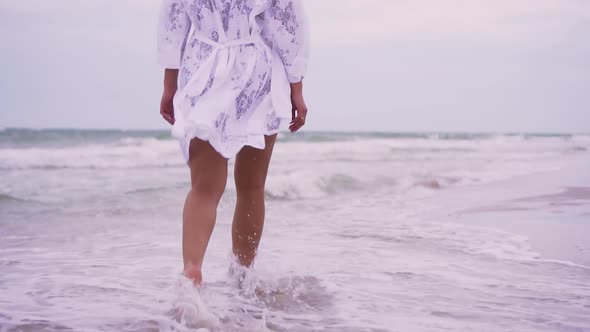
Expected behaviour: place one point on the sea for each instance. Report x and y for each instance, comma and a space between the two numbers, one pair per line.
365, 232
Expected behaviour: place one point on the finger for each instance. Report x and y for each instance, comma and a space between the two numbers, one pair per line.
298, 114
299, 119
168, 119
169, 112
165, 114
298, 123
169, 109
295, 123
303, 119
296, 128
301, 116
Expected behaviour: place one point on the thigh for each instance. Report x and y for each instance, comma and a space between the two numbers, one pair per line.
252, 165
208, 168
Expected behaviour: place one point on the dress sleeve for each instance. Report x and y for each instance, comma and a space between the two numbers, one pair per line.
285, 24
173, 29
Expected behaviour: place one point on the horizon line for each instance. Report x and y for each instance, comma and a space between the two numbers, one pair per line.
322, 131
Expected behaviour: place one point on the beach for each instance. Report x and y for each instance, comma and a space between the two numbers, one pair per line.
364, 232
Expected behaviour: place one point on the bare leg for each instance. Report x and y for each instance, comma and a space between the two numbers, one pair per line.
208, 178
250, 175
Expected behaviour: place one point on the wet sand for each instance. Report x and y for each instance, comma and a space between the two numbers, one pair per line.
556, 221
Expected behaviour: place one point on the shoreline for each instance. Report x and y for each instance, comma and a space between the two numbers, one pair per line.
551, 209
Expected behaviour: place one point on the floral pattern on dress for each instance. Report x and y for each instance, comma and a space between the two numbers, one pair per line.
225, 52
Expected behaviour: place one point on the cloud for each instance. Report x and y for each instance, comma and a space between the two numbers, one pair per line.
540, 23
400, 64
532, 23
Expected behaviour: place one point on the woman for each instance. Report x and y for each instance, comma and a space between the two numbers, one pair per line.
233, 77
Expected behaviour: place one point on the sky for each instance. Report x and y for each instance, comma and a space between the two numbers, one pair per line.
377, 65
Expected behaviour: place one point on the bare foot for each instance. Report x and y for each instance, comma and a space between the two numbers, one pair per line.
194, 274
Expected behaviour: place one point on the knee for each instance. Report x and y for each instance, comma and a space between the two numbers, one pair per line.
208, 189
250, 189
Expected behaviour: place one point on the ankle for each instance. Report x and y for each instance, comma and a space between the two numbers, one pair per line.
193, 273
242, 259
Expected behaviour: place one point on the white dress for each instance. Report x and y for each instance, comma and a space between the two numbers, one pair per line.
236, 59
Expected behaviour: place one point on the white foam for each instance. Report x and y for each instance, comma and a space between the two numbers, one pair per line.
359, 240
189, 309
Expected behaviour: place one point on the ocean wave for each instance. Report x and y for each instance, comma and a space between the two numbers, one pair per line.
9, 198
305, 184
581, 139
139, 142
59, 138
299, 170
159, 150
17, 137
157, 189
311, 185
127, 153
564, 263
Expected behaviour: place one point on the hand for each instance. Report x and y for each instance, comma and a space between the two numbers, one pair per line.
299, 112
167, 106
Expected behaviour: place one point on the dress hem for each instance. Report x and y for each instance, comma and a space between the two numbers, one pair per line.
207, 133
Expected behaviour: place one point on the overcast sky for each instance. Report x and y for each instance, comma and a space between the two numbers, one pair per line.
377, 65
